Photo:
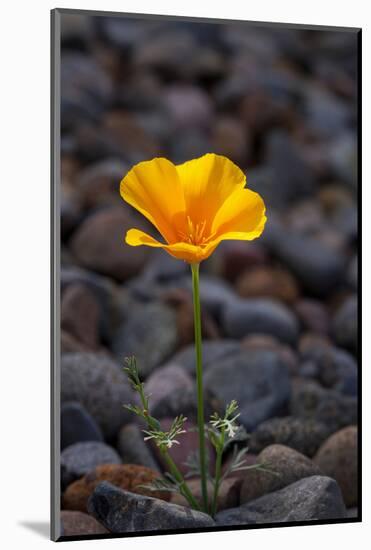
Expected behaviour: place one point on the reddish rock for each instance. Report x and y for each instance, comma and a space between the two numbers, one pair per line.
125, 476
337, 458
98, 244
80, 315
231, 139
236, 256
69, 344
75, 523
265, 282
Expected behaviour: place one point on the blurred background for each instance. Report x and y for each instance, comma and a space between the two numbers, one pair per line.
279, 313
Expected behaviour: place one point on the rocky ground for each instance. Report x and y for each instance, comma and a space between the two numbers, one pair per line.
279, 314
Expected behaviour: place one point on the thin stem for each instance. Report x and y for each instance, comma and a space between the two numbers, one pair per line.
218, 470
182, 484
200, 400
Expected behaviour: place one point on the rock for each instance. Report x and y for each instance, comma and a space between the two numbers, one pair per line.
80, 458
80, 315
69, 344
332, 367
345, 325
133, 449
230, 138
266, 342
96, 381
98, 244
97, 183
313, 315
352, 275
215, 294
265, 282
184, 401
352, 513
337, 458
149, 333
228, 495
124, 512
293, 176
77, 425
311, 498
317, 267
188, 106
75, 523
234, 257
244, 317
211, 353
129, 477
287, 466
303, 435
329, 407
258, 380
165, 380
187, 449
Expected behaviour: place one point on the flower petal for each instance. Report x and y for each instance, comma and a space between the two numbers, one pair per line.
207, 182
153, 187
243, 212
183, 251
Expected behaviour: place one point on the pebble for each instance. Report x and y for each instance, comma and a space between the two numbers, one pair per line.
74, 524
98, 244
265, 282
149, 333
133, 449
77, 425
345, 324
228, 494
80, 458
258, 315
260, 384
141, 513
187, 448
98, 383
337, 458
212, 351
312, 315
312, 498
329, 407
166, 380
302, 434
317, 267
286, 466
130, 477
80, 315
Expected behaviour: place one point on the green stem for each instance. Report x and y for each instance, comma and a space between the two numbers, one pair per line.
182, 484
200, 399
218, 471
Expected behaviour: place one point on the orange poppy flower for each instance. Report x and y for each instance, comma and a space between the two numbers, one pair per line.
194, 205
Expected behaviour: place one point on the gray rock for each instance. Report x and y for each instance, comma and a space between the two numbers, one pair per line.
96, 381
302, 434
329, 407
243, 317
286, 466
333, 367
212, 351
311, 498
258, 380
149, 333
317, 267
345, 324
124, 512
133, 449
80, 458
77, 425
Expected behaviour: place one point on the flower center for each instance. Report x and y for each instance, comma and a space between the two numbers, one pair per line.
195, 232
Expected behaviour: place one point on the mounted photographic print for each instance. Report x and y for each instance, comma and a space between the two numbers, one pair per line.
205, 258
